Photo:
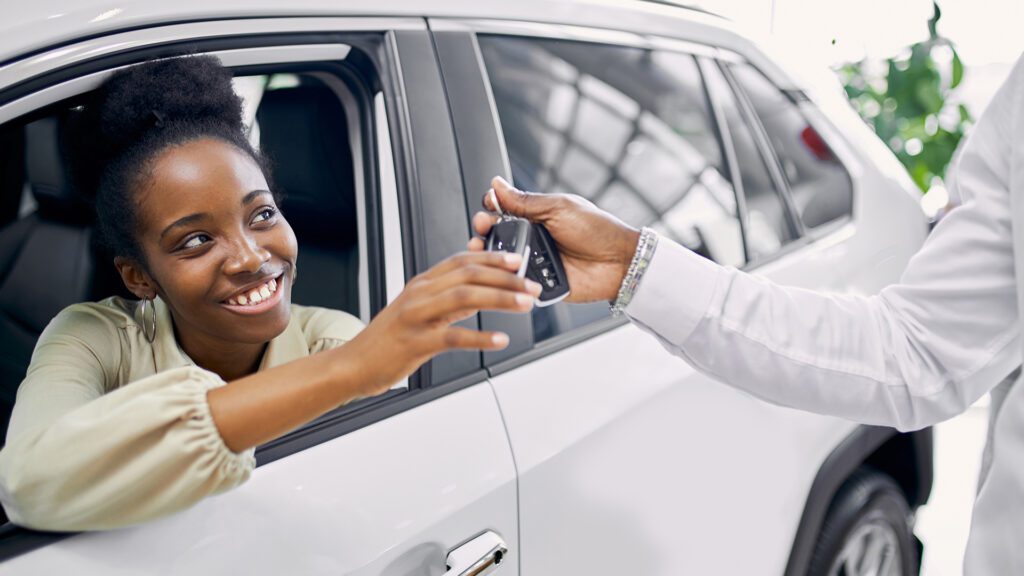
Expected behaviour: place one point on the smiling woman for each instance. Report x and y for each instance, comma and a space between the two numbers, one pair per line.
132, 410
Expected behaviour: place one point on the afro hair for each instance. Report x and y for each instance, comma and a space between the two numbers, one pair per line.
135, 115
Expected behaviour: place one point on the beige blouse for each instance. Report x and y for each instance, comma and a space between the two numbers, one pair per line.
110, 430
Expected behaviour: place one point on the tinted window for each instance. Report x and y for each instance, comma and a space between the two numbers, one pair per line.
630, 129
821, 188
768, 224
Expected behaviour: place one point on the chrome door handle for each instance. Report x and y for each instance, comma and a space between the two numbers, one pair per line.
479, 556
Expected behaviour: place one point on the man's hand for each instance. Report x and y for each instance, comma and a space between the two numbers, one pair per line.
596, 247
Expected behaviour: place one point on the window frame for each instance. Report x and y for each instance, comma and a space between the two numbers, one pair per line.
393, 46
521, 329
749, 118
800, 102
705, 54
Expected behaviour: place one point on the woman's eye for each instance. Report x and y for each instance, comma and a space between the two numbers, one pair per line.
264, 214
195, 241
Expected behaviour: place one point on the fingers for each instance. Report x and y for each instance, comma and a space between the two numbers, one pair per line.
482, 222
501, 260
518, 203
464, 338
476, 275
458, 301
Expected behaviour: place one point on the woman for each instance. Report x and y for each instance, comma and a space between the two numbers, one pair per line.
124, 414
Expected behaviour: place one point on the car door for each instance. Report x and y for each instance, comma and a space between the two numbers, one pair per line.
630, 461
390, 485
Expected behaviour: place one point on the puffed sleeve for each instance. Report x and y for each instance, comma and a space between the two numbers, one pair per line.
78, 458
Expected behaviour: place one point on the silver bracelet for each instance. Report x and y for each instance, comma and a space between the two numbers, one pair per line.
641, 261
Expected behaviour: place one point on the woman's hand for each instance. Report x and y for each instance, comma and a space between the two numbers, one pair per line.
418, 324
596, 247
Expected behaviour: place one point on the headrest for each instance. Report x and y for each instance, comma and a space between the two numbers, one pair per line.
304, 132
47, 174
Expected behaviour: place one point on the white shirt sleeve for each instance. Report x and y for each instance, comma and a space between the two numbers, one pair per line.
919, 352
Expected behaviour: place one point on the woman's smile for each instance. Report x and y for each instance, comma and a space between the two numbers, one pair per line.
257, 298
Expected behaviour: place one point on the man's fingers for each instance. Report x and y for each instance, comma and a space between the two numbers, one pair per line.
518, 203
464, 338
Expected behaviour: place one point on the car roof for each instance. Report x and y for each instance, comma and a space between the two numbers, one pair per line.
31, 26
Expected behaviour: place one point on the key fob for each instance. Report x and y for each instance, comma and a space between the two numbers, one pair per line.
511, 235
546, 267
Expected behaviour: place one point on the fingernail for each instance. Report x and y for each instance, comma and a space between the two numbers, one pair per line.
503, 181
500, 339
513, 259
524, 300
534, 287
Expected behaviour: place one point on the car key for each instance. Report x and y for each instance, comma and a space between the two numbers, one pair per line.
546, 267
544, 263
510, 234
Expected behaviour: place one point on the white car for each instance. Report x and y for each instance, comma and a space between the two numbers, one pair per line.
584, 448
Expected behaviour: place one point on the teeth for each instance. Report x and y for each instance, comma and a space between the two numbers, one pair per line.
256, 295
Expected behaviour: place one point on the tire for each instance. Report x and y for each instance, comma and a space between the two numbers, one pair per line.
868, 530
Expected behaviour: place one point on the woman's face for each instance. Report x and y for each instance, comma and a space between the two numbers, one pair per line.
217, 250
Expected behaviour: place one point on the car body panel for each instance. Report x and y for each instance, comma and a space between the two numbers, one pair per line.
389, 499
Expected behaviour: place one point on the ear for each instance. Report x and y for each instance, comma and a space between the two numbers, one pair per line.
135, 278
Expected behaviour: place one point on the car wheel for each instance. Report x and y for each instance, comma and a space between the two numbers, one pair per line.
868, 530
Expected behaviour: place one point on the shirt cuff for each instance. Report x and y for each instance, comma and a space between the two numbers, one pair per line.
675, 292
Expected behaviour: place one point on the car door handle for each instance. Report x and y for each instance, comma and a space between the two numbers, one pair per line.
479, 556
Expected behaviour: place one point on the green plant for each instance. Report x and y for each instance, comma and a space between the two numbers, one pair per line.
908, 101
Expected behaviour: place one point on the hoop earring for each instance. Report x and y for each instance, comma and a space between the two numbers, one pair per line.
148, 329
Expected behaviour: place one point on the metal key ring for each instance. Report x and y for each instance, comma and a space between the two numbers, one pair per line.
494, 200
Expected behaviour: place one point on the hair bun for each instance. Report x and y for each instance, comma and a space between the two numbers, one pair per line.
161, 93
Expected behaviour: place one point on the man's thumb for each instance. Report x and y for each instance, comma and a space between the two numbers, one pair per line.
514, 201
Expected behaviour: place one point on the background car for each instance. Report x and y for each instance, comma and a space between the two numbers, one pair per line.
583, 448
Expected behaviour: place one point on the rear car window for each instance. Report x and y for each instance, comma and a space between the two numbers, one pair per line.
628, 128
820, 186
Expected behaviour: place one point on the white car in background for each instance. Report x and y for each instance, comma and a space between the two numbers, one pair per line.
584, 448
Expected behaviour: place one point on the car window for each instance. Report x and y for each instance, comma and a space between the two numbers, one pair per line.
768, 221
49, 256
300, 123
820, 186
629, 129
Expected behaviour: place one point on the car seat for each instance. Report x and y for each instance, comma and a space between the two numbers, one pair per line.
46, 258
304, 132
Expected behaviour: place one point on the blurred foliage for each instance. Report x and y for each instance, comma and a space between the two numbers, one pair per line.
907, 100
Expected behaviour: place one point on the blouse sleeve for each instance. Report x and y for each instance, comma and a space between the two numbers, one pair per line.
79, 459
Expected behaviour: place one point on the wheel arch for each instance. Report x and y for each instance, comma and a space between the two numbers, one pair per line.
907, 457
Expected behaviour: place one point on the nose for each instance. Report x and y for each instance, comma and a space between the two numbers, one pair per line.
246, 256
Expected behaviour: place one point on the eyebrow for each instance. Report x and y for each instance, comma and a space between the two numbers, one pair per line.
253, 195
248, 198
